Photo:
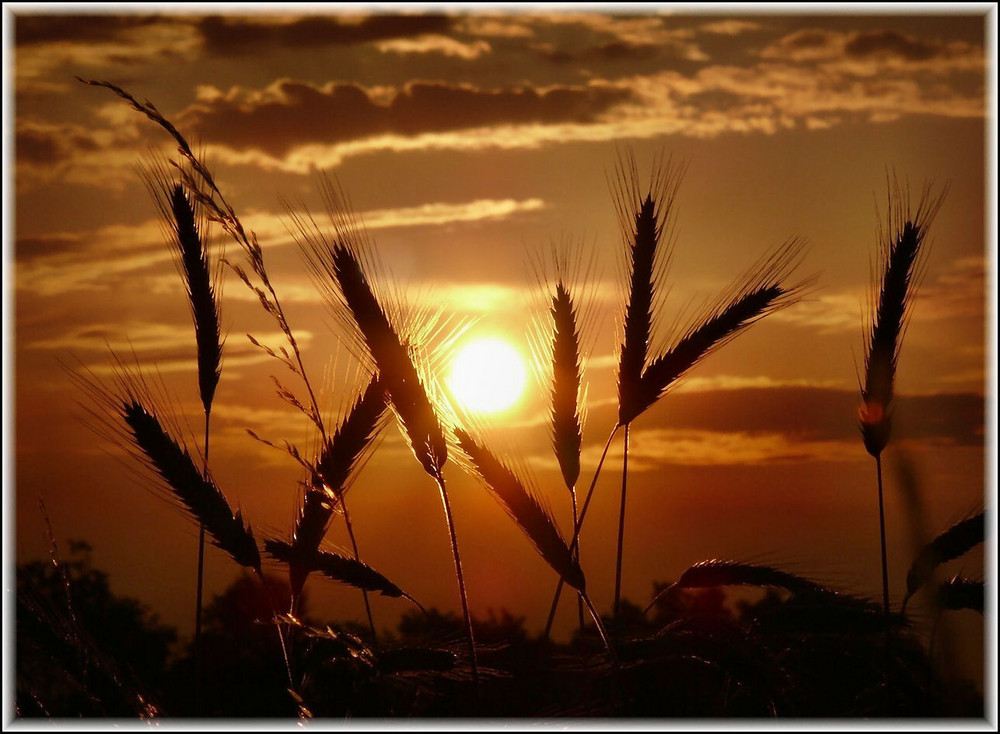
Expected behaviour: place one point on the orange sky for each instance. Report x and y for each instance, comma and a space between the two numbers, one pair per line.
469, 142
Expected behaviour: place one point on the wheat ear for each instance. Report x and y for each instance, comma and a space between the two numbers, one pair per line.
341, 457
961, 593
394, 364
198, 494
567, 423
407, 395
735, 573
534, 519
186, 228
335, 566
901, 249
957, 540
642, 219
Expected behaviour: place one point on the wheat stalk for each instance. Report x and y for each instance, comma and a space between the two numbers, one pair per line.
186, 228
901, 251
340, 262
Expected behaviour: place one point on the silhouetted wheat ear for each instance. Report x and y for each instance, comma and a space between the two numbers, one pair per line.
201, 293
567, 431
734, 573
199, 494
534, 520
901, 249
335, 566
346, 449
954, 542
395, 367
311, 524
642, 219
960, 593
760, 292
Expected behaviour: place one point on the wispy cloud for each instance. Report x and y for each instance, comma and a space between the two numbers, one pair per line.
866, 53
289, 114
435, 44
249, 34
652, 449
730, 27
84, 42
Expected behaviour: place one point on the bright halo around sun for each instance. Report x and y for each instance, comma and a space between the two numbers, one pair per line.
487, 375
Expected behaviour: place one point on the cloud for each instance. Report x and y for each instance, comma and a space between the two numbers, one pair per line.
650, 450
782, 425
255, 35
32, 30
435, 44
150, 337
730, 27
499, 26
808, 414
866, 53
47, 42
61, 262
610, 39
289, 114
445, 213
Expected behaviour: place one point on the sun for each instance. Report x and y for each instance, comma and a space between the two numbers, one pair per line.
487, 375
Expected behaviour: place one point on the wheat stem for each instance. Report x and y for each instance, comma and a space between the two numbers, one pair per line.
357, 557
621, 530
199, 670
576, 556
593, 483
461, 577
574, 544
600, 629
881, 524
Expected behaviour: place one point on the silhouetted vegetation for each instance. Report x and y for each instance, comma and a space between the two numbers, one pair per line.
780, 646
698, 653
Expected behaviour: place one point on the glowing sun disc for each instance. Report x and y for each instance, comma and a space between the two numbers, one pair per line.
487, 375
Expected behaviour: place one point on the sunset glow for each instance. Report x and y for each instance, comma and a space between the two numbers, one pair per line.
487, 375
747, 257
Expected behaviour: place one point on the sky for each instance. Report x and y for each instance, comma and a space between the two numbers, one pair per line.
472, 143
